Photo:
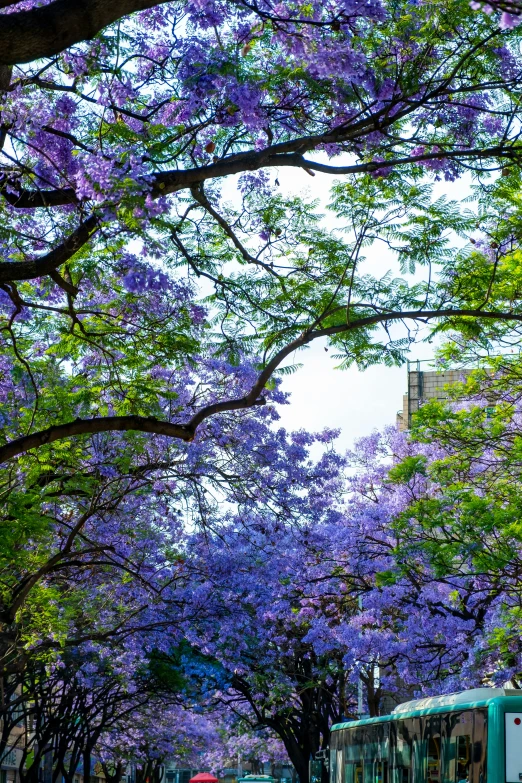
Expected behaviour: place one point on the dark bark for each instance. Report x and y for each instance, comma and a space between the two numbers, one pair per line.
87, 765
92, 426
301, 765
304, 728
47, 31
113, 774
6, 71
186, 432
33, 199
148, 772
281, 155
44, 265
5, 77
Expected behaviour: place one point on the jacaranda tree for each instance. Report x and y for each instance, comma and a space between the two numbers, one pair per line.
155, 278
412, 587
118, 131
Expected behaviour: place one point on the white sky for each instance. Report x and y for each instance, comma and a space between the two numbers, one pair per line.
357, 402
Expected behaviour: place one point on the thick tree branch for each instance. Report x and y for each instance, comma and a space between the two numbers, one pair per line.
280, 155
47, 265
47, 31
33, 199
308, 336
5, 77
92, 427
172, 181
186, 432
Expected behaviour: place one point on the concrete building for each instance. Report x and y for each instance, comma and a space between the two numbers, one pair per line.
424, 383
10, 765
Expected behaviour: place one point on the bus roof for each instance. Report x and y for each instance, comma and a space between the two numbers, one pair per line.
476, 697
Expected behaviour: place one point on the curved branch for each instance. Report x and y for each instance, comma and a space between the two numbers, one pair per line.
92, 427
200, 196
308, 336
186, 432
47, 31
47, 265
280, 155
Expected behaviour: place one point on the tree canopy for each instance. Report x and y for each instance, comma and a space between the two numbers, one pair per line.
158, 275
117, 142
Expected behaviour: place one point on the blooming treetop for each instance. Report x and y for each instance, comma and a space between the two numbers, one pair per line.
117, 131
117, 134
408, 587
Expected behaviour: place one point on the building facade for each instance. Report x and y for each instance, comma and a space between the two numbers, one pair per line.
424, 383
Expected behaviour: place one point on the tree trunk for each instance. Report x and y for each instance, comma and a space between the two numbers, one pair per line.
373, 694
87, 766
298, 758
113, 774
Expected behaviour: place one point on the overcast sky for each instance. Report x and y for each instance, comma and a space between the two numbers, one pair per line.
357, 402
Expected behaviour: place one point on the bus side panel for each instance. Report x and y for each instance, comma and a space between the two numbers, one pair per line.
513, 729
495, 756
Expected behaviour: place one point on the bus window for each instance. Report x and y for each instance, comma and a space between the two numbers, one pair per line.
375, 772
478, 774
381, 772
433, 748
353, 764
353, 744
456, 740
404, 742
420, 766
371, 751
448, 767
349, 773
400, 775
333, 764
353, 755
400, 751
375, 748
463, 732
439, 748
463, 758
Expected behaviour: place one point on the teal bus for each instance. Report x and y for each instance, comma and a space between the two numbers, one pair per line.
257, 779
469, 737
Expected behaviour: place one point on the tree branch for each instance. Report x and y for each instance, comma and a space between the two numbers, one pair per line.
200, 196
92, 427
172, 181
34, 199
280, 155
186, 432
47, 265
47, 31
